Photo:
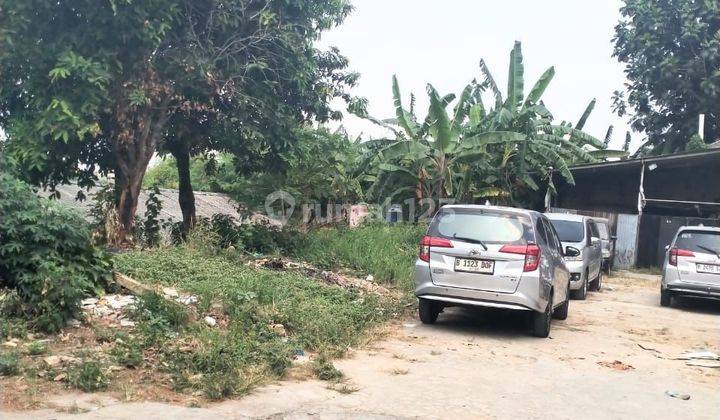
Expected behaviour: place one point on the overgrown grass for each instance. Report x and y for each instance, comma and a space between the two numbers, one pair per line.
230, 360
386, 252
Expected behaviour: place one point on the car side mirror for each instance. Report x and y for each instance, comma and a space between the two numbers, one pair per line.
667, 247
571, 251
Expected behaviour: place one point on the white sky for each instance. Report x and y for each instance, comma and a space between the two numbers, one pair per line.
441, 42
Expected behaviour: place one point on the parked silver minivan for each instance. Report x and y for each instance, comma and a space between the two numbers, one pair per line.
692, 264
580, 232
495, 257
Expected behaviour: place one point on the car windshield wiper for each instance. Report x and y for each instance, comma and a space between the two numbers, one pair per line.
471, 240
714, 251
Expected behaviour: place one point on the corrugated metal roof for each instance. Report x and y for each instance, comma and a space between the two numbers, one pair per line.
207, 204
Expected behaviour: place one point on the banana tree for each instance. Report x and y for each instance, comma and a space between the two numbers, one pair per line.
434, 156
548, 146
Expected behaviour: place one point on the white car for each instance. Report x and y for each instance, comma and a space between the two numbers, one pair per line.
580, 232
692, 264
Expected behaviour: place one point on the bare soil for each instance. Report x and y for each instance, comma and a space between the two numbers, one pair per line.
614, 357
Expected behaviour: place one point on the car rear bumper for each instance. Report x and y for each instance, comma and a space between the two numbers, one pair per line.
694, 289
671, 281
529, 296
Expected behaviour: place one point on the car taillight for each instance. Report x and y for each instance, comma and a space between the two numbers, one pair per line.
530, 251
429, 241
675, 252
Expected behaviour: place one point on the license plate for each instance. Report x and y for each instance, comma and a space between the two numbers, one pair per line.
474, 266
708, 268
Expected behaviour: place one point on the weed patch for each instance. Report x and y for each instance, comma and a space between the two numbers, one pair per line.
386, 252
88, 376
9, 364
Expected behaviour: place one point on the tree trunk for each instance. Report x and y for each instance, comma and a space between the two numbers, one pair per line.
186, 197
134, 141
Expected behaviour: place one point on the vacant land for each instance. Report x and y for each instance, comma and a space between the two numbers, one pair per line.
613, 357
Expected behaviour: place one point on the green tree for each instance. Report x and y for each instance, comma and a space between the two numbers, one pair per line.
92, 86
671, 52
475, 152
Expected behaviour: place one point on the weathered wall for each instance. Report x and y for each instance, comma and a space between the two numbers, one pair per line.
626, 245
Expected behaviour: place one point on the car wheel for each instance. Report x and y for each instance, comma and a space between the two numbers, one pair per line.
665, 297
581, 293
428, 311
541, 321
597, 284
561, 312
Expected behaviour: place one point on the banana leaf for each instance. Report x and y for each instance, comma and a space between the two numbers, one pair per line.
515, 78
537, 91
440, 125
583, 118
404, 119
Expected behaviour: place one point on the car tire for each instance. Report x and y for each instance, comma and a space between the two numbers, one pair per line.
428, 311
561, 312
597, 284
541, 321
665, 297
581, 293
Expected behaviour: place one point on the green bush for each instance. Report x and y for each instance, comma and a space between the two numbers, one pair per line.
387, 252
9, 364
88, 377
324, 369
258, 237
46, 256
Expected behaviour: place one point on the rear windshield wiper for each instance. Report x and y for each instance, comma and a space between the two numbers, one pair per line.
714, 251
471, 240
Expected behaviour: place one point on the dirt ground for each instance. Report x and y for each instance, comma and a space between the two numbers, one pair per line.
612, 358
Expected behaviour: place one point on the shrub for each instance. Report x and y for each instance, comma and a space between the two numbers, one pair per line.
9, 364
325, 370
36, 348
88, 376
386, 252
46, 256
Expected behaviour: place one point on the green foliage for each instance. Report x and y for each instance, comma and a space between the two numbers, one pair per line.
77, 100
230, 361
46, 256
88, 376
36, 348
671, 54
206, 174
151, 224
257, 237
474, 153
324, 369
9, 364
386, 252
695, 144
128, 353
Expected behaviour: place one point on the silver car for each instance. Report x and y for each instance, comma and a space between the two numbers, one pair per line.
692, 264
580, 232
494, 257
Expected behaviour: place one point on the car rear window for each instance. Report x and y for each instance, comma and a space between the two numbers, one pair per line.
485, 226
699, 241
569, 231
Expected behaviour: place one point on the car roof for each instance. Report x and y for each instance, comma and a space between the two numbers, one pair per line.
566, 216
700, 228
600, 219
516, 210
